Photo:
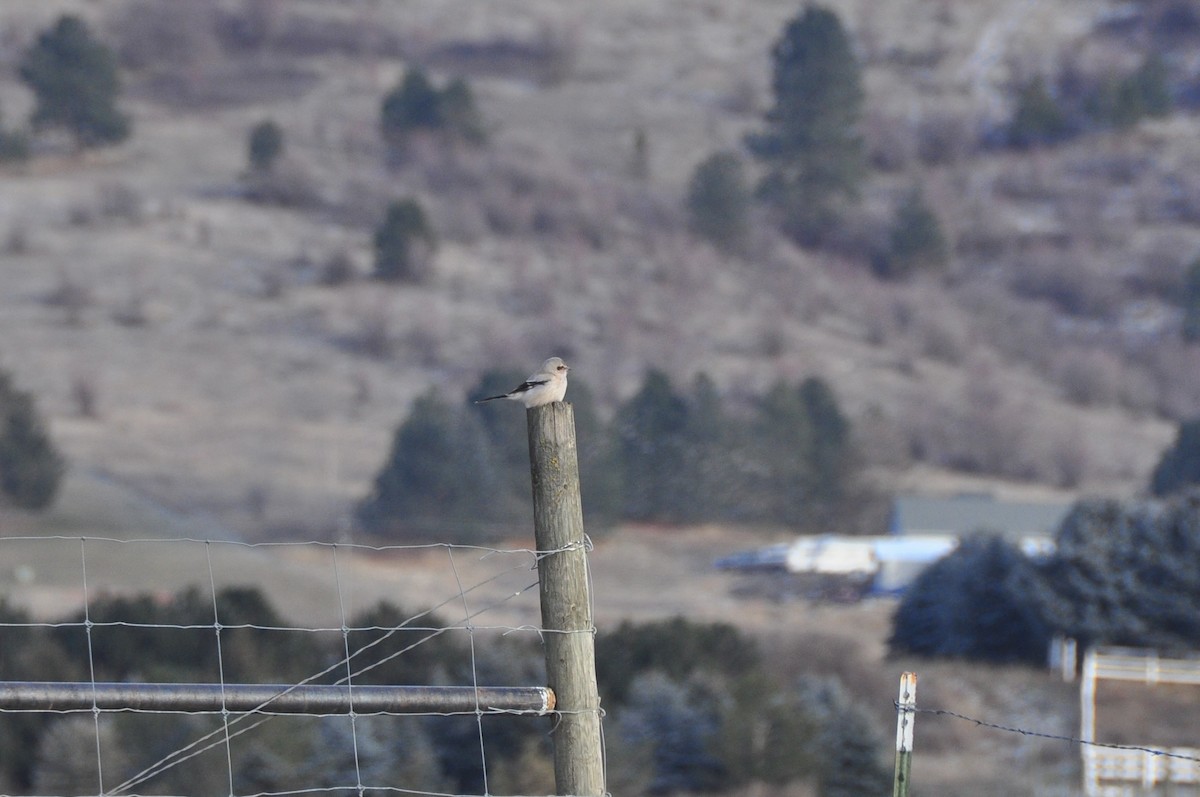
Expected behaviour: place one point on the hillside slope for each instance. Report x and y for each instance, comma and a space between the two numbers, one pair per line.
227, 381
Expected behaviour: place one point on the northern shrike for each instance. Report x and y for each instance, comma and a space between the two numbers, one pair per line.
545, 387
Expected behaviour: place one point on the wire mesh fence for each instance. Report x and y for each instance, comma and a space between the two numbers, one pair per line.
295, 668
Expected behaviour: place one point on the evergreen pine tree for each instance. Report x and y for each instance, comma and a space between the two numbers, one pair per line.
413, 105
916, 240
508, 436
1153, 89
1038, 119
417, 105
31, 468
599, 467
651, 445
781, 442
973, 603
718, 202
850, 749
14, 145
404, 243
440, 473
1179, 466
832, 457
1124, 101
75, 83
711, 483
1125, 574
1191, 303
460, 114
811, 146
265, 145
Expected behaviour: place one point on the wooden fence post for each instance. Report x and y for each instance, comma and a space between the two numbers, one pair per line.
905, 718
566, 600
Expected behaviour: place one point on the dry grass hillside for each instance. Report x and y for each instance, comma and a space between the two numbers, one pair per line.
180, 340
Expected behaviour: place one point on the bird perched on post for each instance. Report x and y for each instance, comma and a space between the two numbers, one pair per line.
545, 387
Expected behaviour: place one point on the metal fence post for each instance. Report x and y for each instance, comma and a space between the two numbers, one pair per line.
566, 600
906, 717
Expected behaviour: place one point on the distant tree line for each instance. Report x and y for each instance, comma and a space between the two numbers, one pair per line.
691, 708
1047, 113
665, 457
1122, 573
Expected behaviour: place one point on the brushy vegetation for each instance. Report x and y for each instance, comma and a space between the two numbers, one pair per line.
682, 699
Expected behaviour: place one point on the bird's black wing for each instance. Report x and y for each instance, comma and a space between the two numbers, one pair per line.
524, 387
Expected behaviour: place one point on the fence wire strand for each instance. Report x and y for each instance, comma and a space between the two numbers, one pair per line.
941, 712
235, 724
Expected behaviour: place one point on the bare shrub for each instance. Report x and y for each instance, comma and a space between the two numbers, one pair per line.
548, 59
176, 35
1028, 178
881, 439
17, 242
361, 393
1066, 278
1138, 390
250, 26
118, 200
1175, 370
289, 184
1016, 329
891, 142
231, 83
309, 35
132, 311
80, 214
985, 431
338, 270
1161, 269
944, 338
85, 395
423, 345
1089, 377
373, 335
744, 97
979, 232
273, 282
946, 138
72, 296
1070, 458
258, 497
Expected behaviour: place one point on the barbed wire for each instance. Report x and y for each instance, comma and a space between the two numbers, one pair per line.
941, 712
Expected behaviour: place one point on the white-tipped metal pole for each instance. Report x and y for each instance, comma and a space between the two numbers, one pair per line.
906, 715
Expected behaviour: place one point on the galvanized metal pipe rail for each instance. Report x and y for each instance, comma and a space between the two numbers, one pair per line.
272, 698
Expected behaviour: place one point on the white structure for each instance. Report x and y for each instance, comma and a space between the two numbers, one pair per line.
890, 563
1111, 772
922, 530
